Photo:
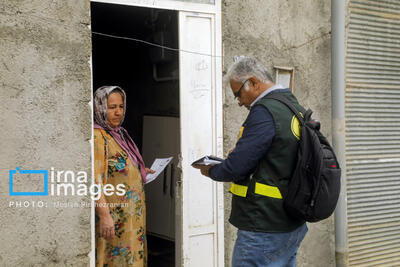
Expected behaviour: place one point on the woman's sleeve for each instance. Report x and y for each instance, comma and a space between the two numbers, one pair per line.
100, 156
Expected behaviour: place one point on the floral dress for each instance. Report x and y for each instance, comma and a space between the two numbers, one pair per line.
128, 247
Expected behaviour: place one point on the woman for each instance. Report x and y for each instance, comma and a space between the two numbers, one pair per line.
120, 219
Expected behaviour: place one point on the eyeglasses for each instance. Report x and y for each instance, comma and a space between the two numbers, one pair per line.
238, 92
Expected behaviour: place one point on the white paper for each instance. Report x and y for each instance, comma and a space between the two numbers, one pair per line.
211, 162
158, 166
208, 160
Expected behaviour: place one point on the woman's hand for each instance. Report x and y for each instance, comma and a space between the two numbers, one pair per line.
149, 170
106, 226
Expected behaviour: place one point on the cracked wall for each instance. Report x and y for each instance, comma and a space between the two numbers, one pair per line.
46, 122
282, 33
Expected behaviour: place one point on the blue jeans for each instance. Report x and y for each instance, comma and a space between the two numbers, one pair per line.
256, 249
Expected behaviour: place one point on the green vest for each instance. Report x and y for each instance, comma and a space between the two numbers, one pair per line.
257, 203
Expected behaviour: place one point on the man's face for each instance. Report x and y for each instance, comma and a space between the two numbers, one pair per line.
245, 98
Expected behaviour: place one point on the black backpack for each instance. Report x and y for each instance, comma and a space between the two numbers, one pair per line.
314, 188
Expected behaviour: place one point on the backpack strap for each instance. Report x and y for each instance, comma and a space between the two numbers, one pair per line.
289, 104
284, 100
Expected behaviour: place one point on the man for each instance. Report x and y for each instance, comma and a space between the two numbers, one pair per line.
267, 146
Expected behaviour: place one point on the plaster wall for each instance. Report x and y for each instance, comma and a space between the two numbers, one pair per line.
282, 33
45, 116
45, 111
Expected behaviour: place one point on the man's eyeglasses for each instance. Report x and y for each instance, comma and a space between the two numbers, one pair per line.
238, 92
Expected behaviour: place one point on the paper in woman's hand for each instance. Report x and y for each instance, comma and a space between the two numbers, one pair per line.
158, 166
208, 161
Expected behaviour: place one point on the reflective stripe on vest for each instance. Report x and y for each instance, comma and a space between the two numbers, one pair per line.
267, 190
239, 190
260, 189
240, 133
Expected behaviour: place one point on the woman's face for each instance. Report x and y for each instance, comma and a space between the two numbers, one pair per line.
115, 109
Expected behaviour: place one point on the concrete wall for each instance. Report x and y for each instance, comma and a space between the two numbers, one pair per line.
283, 33
45, 85
46, 118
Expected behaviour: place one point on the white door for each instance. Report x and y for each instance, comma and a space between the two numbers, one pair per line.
201, 204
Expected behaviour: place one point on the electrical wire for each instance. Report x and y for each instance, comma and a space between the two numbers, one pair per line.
153, 44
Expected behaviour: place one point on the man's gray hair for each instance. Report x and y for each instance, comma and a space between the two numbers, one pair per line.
246, 67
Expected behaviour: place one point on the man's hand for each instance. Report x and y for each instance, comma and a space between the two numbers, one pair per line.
204, 169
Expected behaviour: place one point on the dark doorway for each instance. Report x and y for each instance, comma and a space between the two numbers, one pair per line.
148, 74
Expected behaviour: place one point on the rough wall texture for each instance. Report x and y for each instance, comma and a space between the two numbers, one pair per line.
283, 33
45, 90
45, 114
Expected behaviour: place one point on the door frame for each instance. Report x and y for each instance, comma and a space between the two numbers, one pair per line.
169, 4
215, 11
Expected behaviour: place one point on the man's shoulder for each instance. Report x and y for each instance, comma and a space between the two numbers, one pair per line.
268, 102
259, 112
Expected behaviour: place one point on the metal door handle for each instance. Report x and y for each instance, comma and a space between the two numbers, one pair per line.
165, 181
171, 188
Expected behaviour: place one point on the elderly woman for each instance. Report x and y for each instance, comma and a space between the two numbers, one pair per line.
120, 217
